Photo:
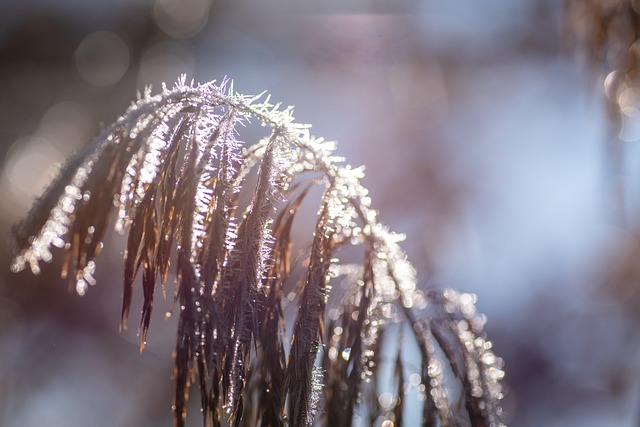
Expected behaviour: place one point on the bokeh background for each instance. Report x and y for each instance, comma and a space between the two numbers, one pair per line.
484, 140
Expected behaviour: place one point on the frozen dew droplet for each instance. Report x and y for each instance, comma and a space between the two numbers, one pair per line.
488, 358
433, 370
346, 353
81, 287
496, 374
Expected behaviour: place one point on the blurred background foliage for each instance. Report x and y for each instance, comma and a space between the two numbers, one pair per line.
484, 139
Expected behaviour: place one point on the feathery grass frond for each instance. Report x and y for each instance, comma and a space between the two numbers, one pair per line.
177, 176
309, 326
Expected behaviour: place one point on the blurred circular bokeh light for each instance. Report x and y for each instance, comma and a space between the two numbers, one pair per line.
102, 58
181, 18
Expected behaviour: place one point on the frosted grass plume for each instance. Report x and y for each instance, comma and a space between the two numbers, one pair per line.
175, 171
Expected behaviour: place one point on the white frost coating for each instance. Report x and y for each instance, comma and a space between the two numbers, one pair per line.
151, 162
143, 166
204, 192
126, 193
57, 225
317, 387
225, 149
484, 367
435, 372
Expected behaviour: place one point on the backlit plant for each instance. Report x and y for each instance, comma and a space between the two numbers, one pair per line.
178, 175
